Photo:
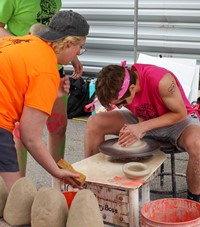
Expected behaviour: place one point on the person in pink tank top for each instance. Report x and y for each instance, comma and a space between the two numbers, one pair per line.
156, 107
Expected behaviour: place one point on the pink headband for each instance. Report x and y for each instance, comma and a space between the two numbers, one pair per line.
126, 82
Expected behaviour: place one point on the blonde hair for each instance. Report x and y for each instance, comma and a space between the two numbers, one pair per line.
36, 28
61, 44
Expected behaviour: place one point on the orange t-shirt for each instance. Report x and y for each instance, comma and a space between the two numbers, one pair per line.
28, 77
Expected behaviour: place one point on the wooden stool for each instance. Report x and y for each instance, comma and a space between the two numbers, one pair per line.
169, 149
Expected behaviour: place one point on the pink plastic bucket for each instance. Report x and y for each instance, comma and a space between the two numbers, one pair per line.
171, 212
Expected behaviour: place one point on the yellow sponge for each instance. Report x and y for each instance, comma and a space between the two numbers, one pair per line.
65, 165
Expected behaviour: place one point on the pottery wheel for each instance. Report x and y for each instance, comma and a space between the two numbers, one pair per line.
118, 152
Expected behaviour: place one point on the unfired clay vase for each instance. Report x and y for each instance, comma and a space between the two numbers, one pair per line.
17, 210
3, 196
49, 209
84, 211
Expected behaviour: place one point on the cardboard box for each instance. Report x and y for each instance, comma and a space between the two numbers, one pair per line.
113, 204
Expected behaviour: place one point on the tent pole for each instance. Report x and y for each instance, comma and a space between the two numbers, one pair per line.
135, 29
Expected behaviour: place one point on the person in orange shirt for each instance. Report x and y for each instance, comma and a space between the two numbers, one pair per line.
16, 18
29, 85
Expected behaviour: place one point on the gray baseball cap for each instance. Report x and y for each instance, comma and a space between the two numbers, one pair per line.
65, 23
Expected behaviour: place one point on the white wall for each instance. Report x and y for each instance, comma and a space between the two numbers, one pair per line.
168, 28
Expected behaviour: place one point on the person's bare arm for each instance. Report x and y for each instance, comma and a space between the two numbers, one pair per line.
32, 123
78, 68
172, 98
4, 32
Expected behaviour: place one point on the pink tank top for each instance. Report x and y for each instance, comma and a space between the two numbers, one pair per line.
147, 103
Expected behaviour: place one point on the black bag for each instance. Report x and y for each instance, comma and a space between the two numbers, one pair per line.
196, 106
78, 97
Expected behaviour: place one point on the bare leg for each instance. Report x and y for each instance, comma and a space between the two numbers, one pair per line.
190, 141
21, 151
57, 124
10, 178
98, 126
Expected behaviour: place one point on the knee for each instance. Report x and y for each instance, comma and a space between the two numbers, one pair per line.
192, 146
94, 123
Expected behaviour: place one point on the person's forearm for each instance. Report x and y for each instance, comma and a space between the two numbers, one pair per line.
4, 32
42, 156
162, 121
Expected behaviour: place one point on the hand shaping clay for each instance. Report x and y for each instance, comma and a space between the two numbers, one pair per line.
17, 210
137, 145
3, 196
84, 211
49, 209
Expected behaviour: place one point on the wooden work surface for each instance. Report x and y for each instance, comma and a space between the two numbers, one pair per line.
101, 169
